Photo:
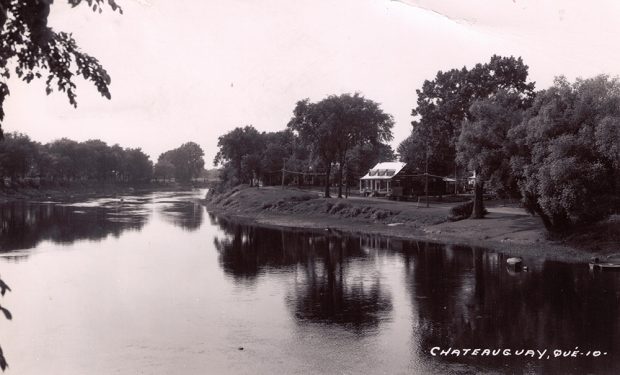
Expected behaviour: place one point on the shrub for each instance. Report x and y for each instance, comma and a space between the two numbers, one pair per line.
380, 214
461, 211
339, 206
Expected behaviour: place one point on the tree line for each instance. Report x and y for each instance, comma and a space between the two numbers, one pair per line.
557, 150
66, 160
347, 132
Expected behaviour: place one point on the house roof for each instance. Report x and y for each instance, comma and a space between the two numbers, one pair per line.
384, 171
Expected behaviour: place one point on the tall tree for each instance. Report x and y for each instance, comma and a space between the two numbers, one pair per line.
483, 142
278, 147
336, 124
64, 157
445, 102
566, 152
37, 51
17, 154
240, 152
163, 169
187, 160
138, 166
414, 151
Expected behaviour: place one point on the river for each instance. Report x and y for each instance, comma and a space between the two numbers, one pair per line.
154, 284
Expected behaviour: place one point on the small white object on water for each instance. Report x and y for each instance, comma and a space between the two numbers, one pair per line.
515, 264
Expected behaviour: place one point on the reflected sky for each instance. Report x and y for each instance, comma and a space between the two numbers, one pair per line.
154, 284
23, 225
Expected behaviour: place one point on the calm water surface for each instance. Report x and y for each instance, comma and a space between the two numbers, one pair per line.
156, 285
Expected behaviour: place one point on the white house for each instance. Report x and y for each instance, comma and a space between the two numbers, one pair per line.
378, 180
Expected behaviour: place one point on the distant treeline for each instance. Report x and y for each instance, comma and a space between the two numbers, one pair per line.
66, 160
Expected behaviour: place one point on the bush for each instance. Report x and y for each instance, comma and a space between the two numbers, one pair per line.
380, 214
461, 211
338, 207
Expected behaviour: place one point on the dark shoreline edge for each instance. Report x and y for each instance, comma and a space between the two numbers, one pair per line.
547, 250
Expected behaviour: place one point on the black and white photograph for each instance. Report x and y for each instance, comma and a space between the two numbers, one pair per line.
309, 187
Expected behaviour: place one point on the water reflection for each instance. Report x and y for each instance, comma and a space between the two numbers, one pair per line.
297, 300
184, 214
465, 298
330, 283
23, 225
462, 297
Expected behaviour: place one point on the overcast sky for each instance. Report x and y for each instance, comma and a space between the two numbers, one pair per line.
191, 70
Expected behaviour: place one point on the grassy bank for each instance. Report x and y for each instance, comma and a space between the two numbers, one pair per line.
506, 228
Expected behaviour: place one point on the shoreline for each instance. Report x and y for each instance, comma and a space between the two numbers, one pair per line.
507, 230
547, 249
77, 192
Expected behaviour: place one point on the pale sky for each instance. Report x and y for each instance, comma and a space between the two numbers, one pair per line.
191, 70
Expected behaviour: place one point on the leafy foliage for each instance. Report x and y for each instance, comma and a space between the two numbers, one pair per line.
248, 155
566, 154
163, 169
461, 211
186, 159
483, 147
444, 103
37, 51
68, 160
334, 126
240, 151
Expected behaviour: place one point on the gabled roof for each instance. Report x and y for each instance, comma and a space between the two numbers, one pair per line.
384, 171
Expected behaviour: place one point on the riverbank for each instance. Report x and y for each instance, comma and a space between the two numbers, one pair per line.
81, 191
506, 228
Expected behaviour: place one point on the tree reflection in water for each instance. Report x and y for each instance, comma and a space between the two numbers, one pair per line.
466, 298
23, 225
185, 214
462, 297
330, 285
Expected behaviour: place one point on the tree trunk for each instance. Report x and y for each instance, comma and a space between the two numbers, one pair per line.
478, 212
340, 174
327, 174
545, 219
